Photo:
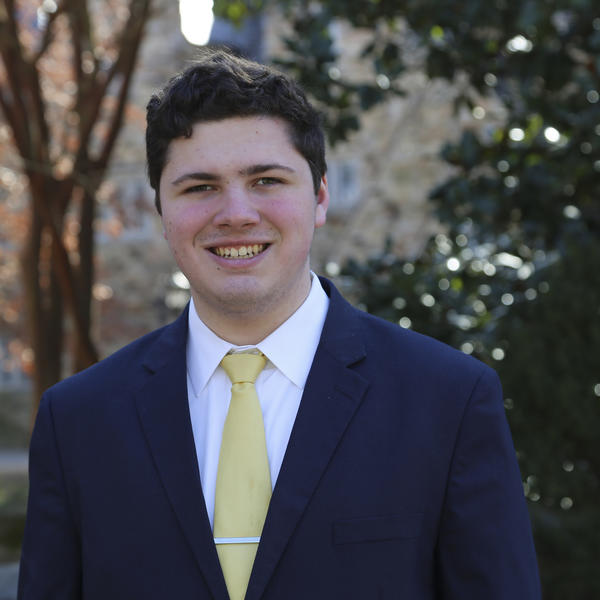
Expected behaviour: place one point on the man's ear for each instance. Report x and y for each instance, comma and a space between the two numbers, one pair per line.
322, 203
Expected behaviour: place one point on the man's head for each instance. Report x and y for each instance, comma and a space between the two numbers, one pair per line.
236, 158
219, 86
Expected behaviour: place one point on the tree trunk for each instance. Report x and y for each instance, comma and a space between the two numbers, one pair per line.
86, 271
44, 309
56, 286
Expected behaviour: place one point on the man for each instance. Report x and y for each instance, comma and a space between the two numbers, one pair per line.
388, 455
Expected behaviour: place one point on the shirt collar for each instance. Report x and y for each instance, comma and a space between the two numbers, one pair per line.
304, 327
205, 349
204, 352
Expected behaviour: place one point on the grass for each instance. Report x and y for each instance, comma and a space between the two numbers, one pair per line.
13, 501
15, 411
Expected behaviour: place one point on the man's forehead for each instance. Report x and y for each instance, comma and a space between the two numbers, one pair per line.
243, 121
249, 143
238, 125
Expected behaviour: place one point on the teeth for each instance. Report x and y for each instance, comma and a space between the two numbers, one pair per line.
241, 252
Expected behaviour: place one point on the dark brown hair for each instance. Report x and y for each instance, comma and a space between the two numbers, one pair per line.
220, 85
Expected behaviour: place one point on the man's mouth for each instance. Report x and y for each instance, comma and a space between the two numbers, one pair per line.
239, 251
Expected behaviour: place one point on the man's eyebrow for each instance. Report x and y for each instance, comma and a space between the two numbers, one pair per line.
196, 176
251, 170
255, 169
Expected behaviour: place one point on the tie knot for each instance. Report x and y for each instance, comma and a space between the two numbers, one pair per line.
243, 367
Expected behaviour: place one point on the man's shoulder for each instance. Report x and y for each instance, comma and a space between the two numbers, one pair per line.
414, 347
394, 348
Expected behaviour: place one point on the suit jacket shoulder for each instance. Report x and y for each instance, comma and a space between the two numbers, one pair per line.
401, 357
126, 369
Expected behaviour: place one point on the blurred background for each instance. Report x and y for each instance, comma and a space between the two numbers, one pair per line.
464, 166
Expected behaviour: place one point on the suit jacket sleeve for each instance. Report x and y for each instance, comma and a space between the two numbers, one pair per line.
485, 547
50, 561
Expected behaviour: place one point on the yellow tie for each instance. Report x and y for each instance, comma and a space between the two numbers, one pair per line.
243, 488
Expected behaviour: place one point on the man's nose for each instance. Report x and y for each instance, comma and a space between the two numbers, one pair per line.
236, 209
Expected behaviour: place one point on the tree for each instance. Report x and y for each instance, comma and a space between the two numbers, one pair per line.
512, 276
67, 67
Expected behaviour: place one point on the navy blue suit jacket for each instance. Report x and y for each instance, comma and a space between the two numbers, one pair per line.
399, 480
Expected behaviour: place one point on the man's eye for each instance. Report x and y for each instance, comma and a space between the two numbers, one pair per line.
201, 187
268, 181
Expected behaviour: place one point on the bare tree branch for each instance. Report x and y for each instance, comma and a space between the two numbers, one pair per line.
25, 105
17, 126
134, 33
14, 63
24, 83
80, 36
47, 37
63, 269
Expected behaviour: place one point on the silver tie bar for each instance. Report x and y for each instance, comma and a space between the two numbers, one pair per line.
237, 540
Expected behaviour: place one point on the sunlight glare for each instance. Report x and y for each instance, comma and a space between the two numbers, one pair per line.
196, 20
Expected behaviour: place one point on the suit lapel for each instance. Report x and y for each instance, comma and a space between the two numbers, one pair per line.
331, 397
164, 414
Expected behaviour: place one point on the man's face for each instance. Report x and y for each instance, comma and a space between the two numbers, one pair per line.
239, 213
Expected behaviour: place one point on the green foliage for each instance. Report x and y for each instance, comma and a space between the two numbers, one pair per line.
13, 500
515, 277
312, 57
238, 10
551, 374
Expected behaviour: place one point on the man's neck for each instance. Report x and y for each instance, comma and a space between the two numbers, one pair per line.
246, 328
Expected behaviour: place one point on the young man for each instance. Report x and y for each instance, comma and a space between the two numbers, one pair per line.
371, 462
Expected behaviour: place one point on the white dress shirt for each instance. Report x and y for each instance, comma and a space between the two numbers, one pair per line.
290, 350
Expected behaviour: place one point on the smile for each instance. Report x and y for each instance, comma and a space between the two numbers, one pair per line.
239, 251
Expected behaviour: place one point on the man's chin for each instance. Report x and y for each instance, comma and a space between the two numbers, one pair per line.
237, 298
